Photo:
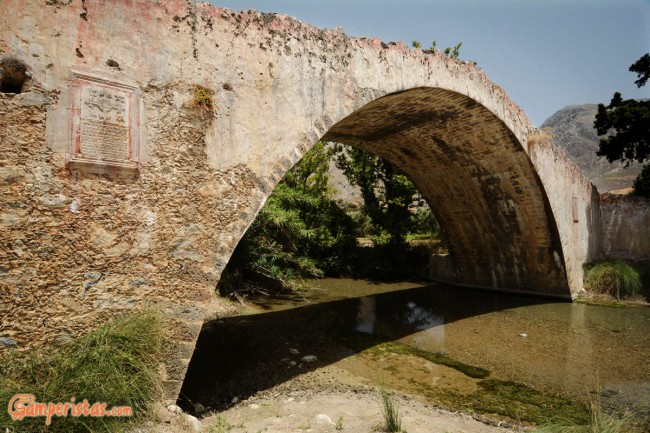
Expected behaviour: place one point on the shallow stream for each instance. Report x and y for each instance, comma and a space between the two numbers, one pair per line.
559, 348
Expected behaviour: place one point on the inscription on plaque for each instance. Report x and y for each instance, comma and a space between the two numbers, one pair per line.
102, 126
104, 132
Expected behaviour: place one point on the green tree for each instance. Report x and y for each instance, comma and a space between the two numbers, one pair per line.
389, 197
627, 121
642, 182
300, 232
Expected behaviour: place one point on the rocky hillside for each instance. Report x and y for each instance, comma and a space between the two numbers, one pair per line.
572, 128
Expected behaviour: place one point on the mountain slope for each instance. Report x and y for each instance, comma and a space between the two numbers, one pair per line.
572, 129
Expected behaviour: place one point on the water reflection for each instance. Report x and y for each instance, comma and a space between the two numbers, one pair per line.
366, 316
569, 348
558, 347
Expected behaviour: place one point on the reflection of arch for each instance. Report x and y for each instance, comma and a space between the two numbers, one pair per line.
478, 179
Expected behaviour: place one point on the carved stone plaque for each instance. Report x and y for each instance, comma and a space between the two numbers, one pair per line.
104, 127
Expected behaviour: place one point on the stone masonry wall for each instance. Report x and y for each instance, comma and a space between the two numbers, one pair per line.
626, 227
575, 203
78, 251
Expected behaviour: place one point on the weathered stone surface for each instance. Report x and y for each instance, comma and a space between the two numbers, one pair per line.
579, 227
626, 227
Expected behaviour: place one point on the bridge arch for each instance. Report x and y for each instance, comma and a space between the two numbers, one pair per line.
519, 214
478, 180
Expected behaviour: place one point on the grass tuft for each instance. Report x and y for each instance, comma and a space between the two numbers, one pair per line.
117, 364
614, 278
390, 411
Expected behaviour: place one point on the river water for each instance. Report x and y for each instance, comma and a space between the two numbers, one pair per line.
560, 348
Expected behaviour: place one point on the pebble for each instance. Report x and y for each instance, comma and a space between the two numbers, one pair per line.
174, 409
8, 341
199, 408
294, 351
194, 422
322, 419
523, 335
308, 359
254, 406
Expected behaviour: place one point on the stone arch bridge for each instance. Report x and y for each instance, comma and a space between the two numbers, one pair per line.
140, 139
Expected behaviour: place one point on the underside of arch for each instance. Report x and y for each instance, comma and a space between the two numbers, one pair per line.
478, 180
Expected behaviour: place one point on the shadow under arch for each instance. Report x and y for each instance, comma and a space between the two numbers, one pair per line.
478, 180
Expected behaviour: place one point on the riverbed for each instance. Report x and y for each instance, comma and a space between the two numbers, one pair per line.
386, 335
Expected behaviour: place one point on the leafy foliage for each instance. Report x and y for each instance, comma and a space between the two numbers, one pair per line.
453, 53
300, 232
629, 120
389, 198
642, 69
642, 182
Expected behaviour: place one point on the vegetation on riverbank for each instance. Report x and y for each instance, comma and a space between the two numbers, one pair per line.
438, 358
599, 421
117, 364
302, 232
613, 279
514, 401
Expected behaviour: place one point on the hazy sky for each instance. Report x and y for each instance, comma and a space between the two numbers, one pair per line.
546, 54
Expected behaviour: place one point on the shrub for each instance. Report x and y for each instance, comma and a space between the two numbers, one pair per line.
613, 277
116, 364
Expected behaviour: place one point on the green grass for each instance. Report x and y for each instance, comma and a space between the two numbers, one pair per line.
390, 411
221, 425
598, 421
520, 401
511, 400
614, 278
117, 364
339, 423
438, 358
